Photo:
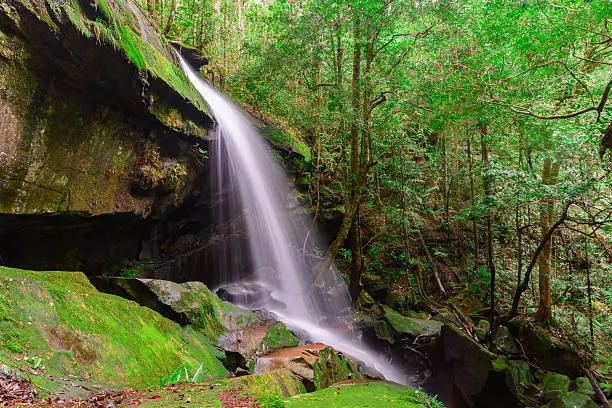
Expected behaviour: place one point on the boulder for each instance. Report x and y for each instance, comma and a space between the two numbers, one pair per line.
72, 339
383, 331
317, 364
482, 330
520, 373
189, 303
544, 349
555, 385
583, 386
256, 339
572, 400
466, 374
410, 325
504, 343
375, 286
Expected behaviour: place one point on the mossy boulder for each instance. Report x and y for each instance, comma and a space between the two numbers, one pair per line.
278, 336
383, 331
236, 330
372, 394
376, 286
317, 365
555, 385
189, 303
86, 337
547, 351
410, 325
482, 329
249, 341
333, 367
504, 343
583, 386
572, 400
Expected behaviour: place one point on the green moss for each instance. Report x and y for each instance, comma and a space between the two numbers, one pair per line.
12, 339
411, 325
79, 331
264, 387
278, 336
285, 141
117, 25
277, 382
363, 395
333, 367
206, 320
500, 363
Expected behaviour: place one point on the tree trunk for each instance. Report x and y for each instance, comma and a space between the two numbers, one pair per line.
355, 283
355, 189
473, 203
550, 171
486, 184
151, 7
170, 21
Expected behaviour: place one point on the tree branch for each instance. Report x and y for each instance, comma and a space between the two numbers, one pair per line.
524, 111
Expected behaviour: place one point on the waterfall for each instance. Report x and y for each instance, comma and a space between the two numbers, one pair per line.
280, 240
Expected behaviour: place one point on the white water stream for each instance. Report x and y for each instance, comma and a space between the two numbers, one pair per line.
277, 235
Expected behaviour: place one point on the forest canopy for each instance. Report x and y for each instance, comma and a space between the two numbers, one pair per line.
464, 144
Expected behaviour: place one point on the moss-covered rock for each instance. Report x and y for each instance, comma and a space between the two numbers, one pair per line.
333, 367
555, 385
410, 325
583, 386
83, 89
317, 365
463, 370
503, 341
256, 338
520, 373
572, 400
190, 303
83, 336
363, 395
482, 329
547, 351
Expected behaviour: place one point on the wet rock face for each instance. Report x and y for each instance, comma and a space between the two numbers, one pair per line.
81, 115
102, 146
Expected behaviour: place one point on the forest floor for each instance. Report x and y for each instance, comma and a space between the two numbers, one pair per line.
21, 394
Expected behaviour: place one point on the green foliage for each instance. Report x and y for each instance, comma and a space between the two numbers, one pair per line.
271, 400
131, 271
181, 374
455, 94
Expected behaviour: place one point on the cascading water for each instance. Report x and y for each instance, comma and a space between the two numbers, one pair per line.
253, 182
